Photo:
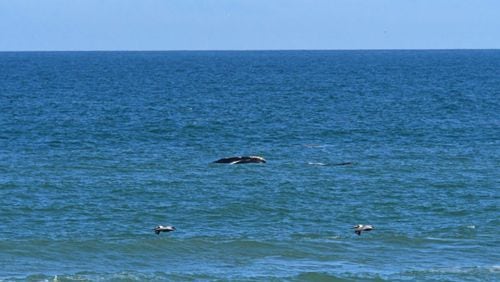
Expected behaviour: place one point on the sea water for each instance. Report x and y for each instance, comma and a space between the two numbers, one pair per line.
97, 148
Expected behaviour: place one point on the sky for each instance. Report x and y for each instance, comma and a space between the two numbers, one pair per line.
56, 25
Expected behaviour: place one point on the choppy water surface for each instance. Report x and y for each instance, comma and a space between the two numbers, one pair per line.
96, 148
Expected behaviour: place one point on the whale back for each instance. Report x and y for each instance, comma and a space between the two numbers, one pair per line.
241, 160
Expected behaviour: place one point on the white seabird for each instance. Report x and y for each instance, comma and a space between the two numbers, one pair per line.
160, 228
360, 228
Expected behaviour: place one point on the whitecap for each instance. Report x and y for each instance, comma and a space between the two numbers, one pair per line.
495, 268
314, 163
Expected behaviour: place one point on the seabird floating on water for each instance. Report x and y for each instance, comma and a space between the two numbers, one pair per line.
160, 228
241, 160
360, 228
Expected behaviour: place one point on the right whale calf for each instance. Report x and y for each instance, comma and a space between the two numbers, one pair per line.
241, 160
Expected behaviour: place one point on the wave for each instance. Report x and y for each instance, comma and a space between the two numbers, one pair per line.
281, 270
458, 273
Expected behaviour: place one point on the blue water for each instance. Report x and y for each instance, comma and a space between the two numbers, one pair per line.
97, 148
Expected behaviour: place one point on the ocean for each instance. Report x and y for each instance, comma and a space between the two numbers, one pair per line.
97, 148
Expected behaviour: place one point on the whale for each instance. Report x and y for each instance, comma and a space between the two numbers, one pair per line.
344, 163
360, 228
160, 228
241, 160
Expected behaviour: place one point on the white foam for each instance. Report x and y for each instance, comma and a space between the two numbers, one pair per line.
313, 163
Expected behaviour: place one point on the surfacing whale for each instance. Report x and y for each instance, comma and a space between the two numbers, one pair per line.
160, 228
362, 228
241, 160
344, 163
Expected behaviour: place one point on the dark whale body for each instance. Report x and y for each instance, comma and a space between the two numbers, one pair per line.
345, 163
241, 160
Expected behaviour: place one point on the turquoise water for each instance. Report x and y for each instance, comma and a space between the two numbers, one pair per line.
97, 148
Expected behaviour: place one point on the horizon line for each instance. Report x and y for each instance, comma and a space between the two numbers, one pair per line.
251, 50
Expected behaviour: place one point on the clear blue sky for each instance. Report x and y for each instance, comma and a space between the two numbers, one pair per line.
248, 24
